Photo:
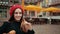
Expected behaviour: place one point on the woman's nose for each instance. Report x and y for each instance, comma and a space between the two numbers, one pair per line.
18, 14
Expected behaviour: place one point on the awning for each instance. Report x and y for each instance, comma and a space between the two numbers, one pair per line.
52, 9
33, 7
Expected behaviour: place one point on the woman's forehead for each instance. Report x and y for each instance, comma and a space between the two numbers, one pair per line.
18, 10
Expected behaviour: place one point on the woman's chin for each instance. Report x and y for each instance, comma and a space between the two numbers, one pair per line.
18, 20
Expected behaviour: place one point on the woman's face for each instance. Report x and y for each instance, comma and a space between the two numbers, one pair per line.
18, 14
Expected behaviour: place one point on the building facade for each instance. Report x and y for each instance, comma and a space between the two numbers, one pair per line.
5, 5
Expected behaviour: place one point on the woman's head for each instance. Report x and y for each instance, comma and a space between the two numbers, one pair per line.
16, 13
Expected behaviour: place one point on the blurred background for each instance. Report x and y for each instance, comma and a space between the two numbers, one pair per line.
43, 14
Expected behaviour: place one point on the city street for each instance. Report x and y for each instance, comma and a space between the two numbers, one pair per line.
46, 29
43, 14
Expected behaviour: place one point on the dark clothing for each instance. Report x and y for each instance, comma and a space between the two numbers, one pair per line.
8, 26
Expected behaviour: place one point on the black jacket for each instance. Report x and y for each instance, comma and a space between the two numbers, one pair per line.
7, 26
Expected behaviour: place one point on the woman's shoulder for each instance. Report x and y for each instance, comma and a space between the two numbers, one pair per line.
5, 23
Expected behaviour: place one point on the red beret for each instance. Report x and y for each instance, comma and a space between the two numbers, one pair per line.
15, 7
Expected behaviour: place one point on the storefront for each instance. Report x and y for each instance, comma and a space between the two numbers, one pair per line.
4, 7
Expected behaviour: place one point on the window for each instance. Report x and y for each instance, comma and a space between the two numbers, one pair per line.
32, 13
3, 12
25, 13
0, 13
5, 0
44, 13
16, 1
31, 2
56, 14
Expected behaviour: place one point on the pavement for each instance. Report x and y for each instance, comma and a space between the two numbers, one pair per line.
46, 29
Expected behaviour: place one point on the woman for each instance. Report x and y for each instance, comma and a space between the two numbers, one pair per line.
16, 23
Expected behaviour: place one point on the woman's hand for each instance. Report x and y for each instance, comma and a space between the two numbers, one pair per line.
12, 32
26, 26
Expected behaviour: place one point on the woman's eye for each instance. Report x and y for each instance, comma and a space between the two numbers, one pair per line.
20, 12
16, 12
